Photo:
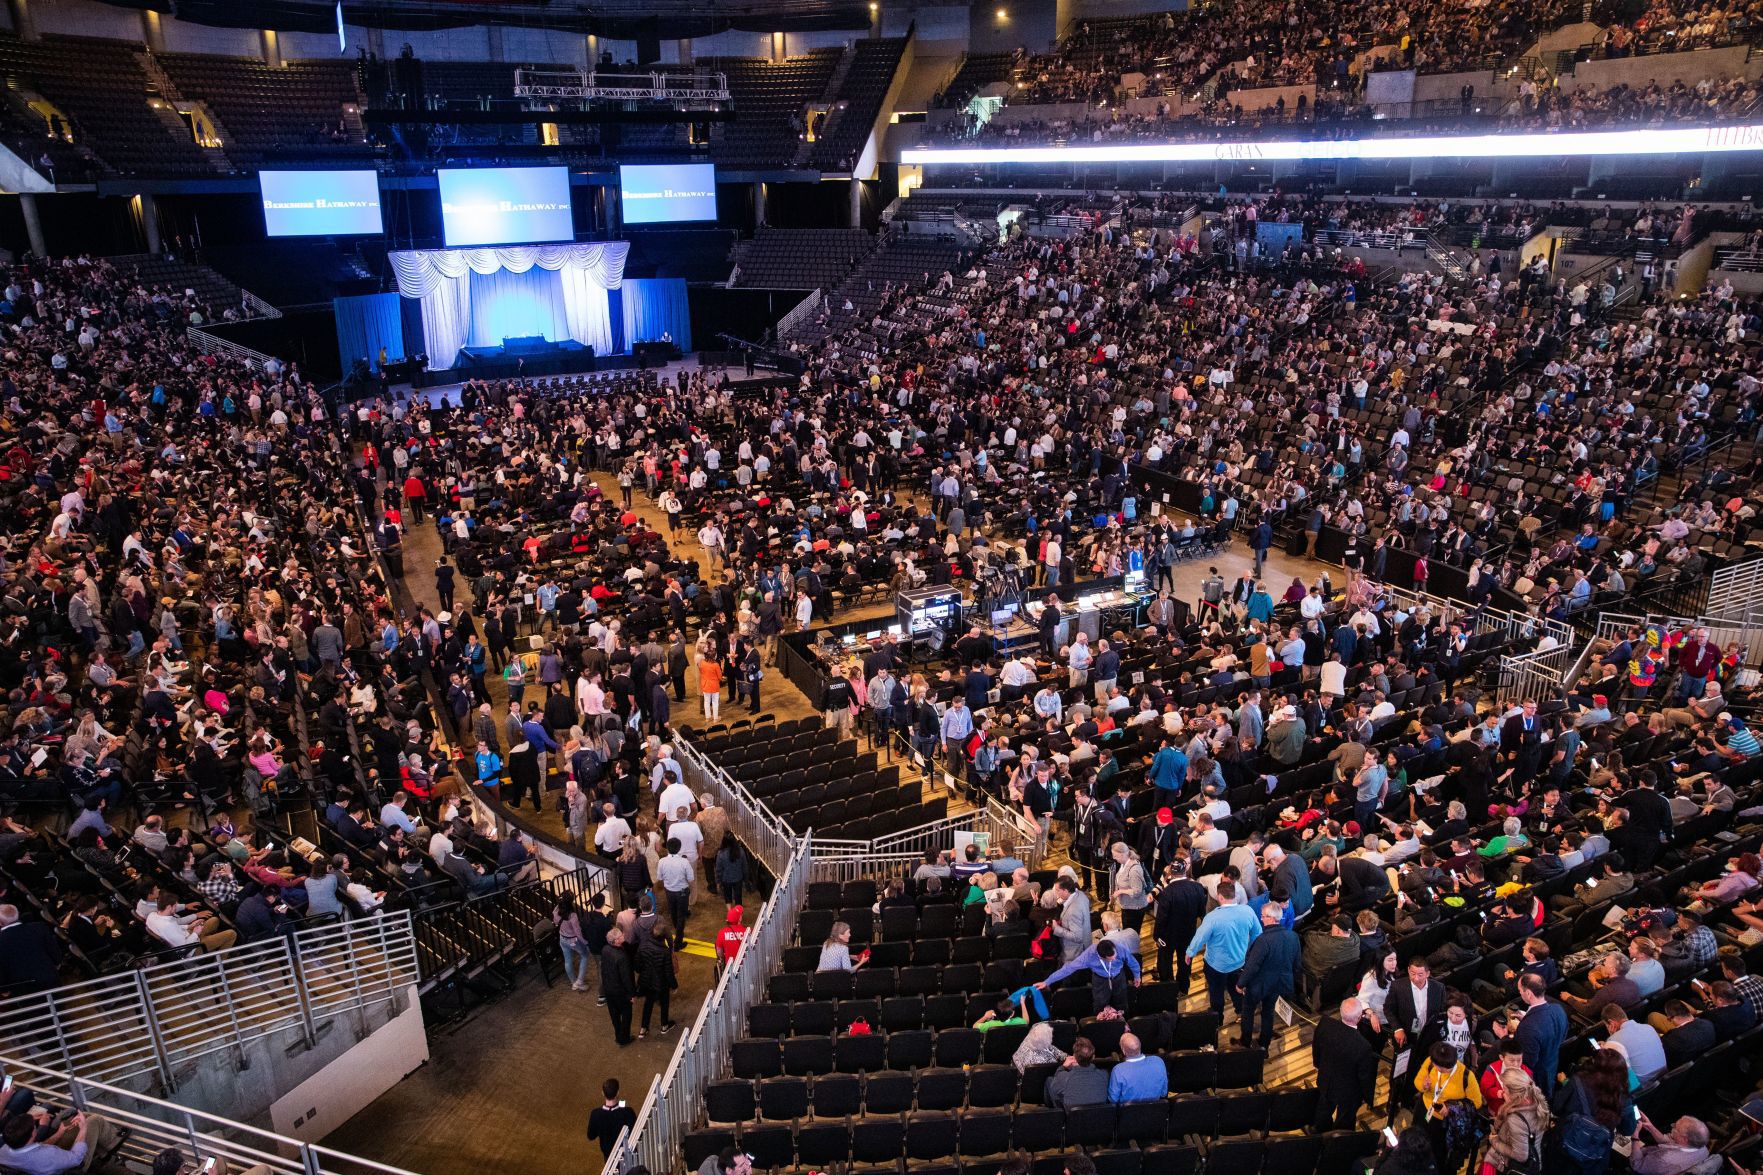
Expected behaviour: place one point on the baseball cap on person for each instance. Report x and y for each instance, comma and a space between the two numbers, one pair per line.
1165, 816
734, 915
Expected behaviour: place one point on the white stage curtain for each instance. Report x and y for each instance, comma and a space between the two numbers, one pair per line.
420, 271
446, 319
589, 315
478, 297
509, 304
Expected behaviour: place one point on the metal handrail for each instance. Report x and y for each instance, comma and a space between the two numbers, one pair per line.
145, 1022
155, 1125
675, 1097
212, 344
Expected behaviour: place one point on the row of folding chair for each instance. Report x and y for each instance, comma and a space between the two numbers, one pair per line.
994, 1086
1069, 1000
1190, 1070
950, 1016
926, 1137
831, 895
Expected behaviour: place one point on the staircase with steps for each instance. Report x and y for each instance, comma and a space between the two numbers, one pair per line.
167, 111
1440, 254
473, 945
828, 101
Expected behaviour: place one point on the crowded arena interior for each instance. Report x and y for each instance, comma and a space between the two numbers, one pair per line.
1039, 587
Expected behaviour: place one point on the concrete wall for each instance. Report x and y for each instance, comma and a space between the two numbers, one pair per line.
941, 29
1742, 282
1693, 270
1663, 68
218, 1084
183, 37
1440, 87
1568, 36
318, 46
732, 43
1026, 24
1251, 101
334, 1094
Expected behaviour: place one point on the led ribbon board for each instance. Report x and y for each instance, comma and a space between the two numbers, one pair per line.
1685, 141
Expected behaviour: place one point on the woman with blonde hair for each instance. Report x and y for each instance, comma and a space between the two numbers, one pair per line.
1516, 1140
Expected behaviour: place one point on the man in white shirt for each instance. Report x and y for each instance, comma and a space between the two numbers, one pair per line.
609, 838
175, 930
1334, 677
675, 874
1014, 679
687, 832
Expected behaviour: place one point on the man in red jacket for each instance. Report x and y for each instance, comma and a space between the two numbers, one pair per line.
1697, 658
414, 493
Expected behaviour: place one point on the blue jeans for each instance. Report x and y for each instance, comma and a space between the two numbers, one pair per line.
1689, 688
575, 960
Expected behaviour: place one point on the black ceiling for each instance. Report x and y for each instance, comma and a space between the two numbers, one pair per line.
620, 19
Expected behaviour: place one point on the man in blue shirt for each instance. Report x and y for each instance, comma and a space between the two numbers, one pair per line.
542, 742
1167, 773
1137, 1078
1107, 967
1224, 935
957, 725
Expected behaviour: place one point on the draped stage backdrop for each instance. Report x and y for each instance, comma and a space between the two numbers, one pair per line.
655, 307
365, 324
478, 297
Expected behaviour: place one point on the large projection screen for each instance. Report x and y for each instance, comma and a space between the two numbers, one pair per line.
667, 193
320, 203
504, 205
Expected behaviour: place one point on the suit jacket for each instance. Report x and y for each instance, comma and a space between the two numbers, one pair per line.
1346, 1064
1073, 928
1399, 1007
30, 957
1271, 966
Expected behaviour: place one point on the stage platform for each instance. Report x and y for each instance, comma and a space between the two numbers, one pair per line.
448, 393
518, 358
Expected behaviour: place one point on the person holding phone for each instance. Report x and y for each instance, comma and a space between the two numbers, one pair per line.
610, 1118
24, 1152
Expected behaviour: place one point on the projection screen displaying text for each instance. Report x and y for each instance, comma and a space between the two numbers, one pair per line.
664, 193
320, 203
505, 205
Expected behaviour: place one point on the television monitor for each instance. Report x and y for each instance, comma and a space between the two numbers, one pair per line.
320, 203
504, 205
667, 193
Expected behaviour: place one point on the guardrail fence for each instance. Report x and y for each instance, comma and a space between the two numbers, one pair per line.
1735, 593
146, 1023
766, 835
1533, 677
702, 1055
156, 1125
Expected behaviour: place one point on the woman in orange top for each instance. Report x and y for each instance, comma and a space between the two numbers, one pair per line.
710, 685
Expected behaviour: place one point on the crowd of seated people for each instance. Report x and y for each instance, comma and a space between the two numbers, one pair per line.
1548, 911
1243, 46
176, 596
1311, 758
1677, 28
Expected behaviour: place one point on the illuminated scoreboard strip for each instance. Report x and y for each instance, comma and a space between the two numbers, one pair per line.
1682, 141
